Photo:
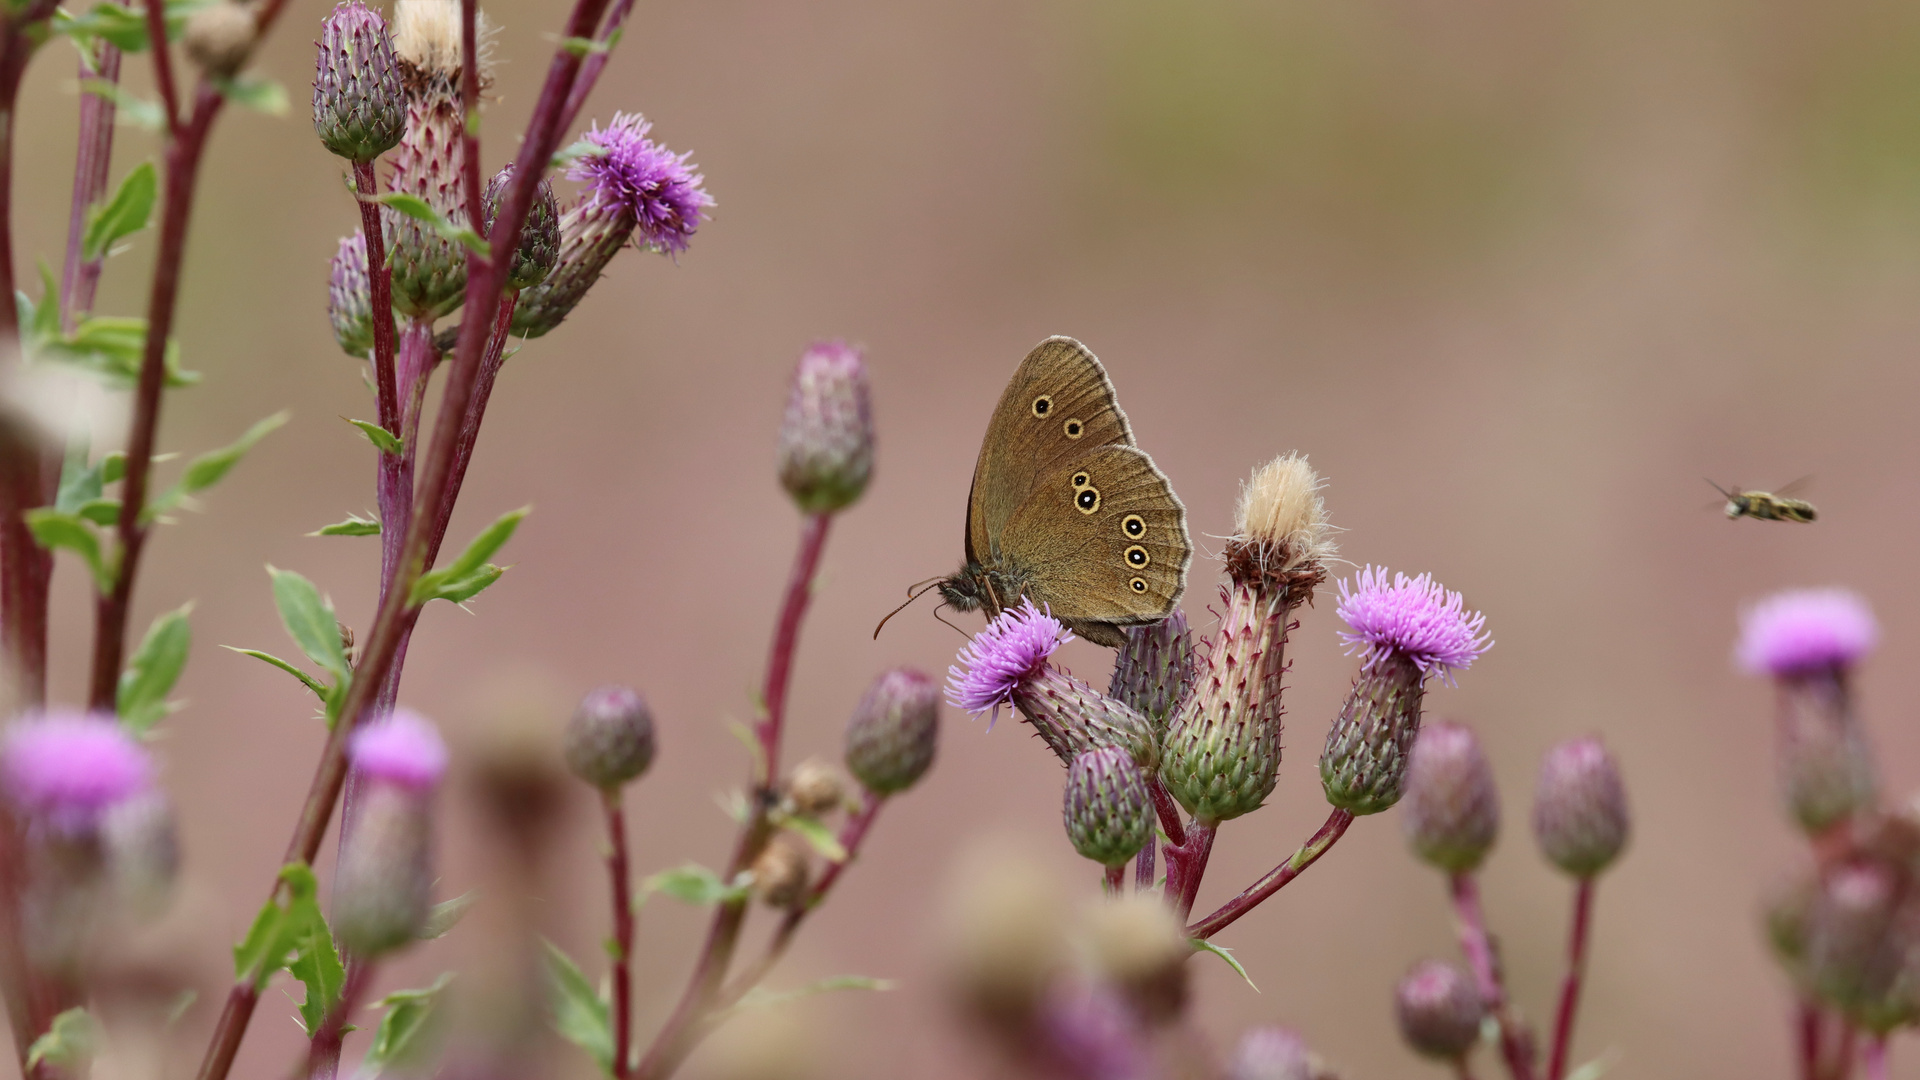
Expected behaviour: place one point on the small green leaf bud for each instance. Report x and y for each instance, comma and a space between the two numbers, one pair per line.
815, 788
1580, 808
220, 35
539, 248
894, 731
826, 437
610, 740
359, 107
782, 872
1154, 670
1452, 809
349, 297
1108, 813
1439, 1010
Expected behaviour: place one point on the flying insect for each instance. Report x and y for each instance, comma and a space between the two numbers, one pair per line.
1767, 506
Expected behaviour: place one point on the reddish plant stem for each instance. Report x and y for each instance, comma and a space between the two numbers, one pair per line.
1516, 1043
1807, 1024
622, 882
1277, 878
1143, 869
594, 64
1843, 1053
470, 112
1192, 861
1114, 881
1462, 1070
1570, 985
323, 1051
1875, 1058
380, 297
163, 67
93, 157
683, 1029
484, 282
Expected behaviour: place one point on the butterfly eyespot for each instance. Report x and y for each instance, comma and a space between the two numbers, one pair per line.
1081, 480
1138, 584
1134, 525
1074, 428
1088, 500
1137, 556
1042, 405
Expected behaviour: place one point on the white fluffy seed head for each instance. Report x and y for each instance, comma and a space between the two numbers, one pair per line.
1281, 509
426, 36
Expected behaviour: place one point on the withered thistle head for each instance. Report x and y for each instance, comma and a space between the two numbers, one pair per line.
894, 731
1580, 808
610, 740
814, 788
219, 37
1452, 809
1280, 529
359, 108
1108, 813
539, 248
1405, 630
826, 436
1154, 670
782, 871
350, 297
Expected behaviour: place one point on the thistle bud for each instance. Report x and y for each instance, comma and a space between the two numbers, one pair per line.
894, 730
1154, 670
1271, 1053
610, 740
1851, 956
1580, 808
1439, 1010
1808, 641
1788, 907
1007, 663
815, 788
1141, 950
349, 297
219, 36
1088, 1031
429, 270
826, 438
1405, 631
1108, 813
1004, 938
1222, 755
359, 108
782, 872
142, 846
1452, 811
384, 884
539, 248
64, 771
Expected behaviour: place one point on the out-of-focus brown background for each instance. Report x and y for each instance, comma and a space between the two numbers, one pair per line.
1516, 276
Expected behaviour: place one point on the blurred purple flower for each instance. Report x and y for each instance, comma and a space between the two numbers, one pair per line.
1803, 630
634, 174
402, 748
1013, 647
1415, 617
69, 767
1092, 1034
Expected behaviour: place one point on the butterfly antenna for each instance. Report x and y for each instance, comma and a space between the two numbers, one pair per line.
914, 592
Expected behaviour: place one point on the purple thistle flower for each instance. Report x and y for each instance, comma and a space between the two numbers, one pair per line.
634, 174
1803, 630
403, 748
70, 767
1013, 647
1416, 617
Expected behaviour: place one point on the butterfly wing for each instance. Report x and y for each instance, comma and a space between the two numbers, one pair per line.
1101, 541
1058, 403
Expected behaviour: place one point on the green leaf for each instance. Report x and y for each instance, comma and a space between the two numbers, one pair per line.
316, 963
80, 483
386, 441
310, 621
420, 210
694, 884
124, 28
113, 467
155, 667
54, 530
446, 915
406, 1030
212, 467
817, 835
264, 95
355, 525
46, 317
102, 512
574, 152
320, 690
110, 347
461, 579
579, 1012
123, 215
1203, 945
760, 997
129, 107
68, 1042
279, 930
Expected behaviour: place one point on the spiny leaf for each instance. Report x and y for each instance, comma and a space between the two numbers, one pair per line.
153, 671
54, 530
579, 1012
310, 621
468, 574
212, 467
279, 929
316, 963
355, 525
420, 210
760, 997
446, 915
123, 215
816, 834
1203, 945
694, 884
406, 1028
68, 1042
386, 441
320, 689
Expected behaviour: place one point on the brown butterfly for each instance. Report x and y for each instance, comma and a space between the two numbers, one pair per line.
1065, 510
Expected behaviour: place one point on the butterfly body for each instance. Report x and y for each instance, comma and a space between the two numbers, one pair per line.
1065, 510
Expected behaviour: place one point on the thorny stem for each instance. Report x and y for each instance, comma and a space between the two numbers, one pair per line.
484, 280
470, 114
682, 1031
1115, 880
1277, 878
1143, 869
594, 64
1516, 1043
1807, 1024
622, 882
380, 298
1570, 986
323, 1052
92, 160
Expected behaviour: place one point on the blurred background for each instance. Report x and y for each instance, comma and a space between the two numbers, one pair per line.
1516, 276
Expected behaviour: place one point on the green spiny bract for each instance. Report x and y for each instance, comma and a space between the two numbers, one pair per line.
1222, 756
1154, 670
1365, 759
539, 249
1108, 813
359, 108
894, 731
